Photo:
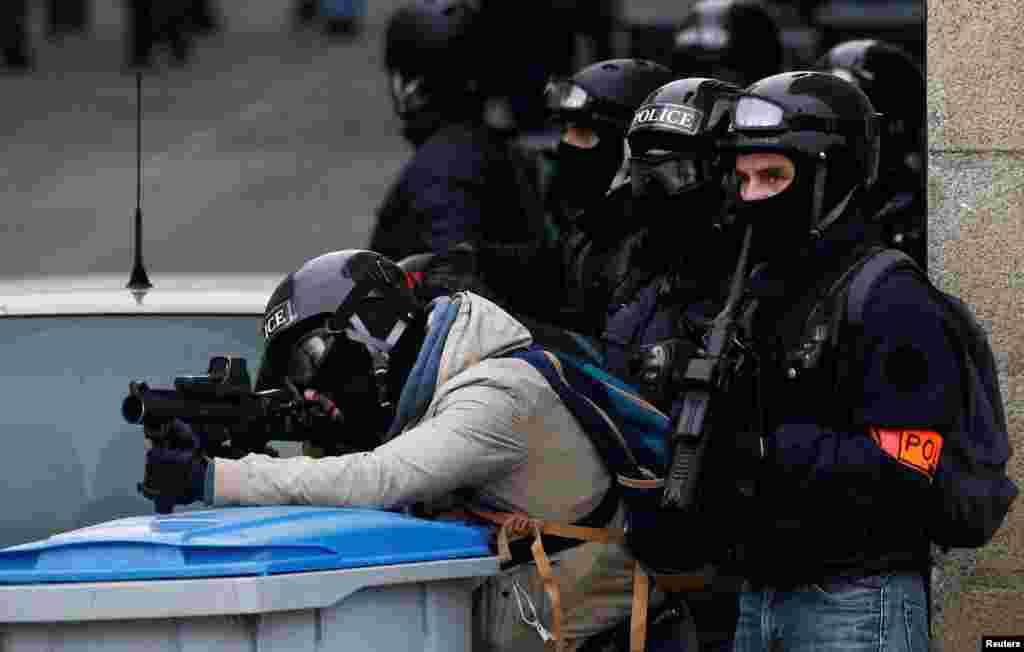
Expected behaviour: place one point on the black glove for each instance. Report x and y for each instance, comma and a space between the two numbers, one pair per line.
455, 270
175, 475
658, 368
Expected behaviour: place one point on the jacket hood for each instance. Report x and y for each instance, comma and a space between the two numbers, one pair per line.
480, 330
462, 330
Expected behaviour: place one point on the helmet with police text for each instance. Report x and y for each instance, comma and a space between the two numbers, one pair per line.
895, 85
673, 137
337, 319
733, 40
829, 131
594, 108
432, 54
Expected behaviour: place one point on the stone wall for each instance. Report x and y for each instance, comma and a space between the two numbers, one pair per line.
975, 62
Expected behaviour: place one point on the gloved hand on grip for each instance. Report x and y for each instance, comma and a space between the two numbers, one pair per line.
175, 475
330, 410
658, 368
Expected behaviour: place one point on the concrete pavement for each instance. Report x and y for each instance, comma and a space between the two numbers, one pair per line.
270, 147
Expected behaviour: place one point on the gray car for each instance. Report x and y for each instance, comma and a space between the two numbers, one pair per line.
68, 348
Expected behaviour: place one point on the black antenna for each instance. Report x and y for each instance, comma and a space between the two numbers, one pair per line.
139, 281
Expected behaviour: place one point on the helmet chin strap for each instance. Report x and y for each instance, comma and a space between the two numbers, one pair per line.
818, 228
379, 350
833, 215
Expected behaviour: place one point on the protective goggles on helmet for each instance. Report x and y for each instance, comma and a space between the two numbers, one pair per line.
758, 113
714, 38
564, 95
308, 355
755, 113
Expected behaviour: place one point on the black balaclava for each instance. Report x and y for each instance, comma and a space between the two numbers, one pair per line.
686, 217
785, 225
584, 174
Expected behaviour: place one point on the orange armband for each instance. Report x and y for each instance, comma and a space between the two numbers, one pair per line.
918, 449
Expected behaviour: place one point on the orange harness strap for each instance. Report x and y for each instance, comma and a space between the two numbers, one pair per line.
518, 525
638, 617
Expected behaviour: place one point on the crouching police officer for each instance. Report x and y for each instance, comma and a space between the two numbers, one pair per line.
346, 330
834, 549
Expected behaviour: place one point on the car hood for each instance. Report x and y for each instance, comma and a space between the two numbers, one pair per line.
98, 295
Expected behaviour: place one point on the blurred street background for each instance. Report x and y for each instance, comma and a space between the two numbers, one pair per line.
272, 144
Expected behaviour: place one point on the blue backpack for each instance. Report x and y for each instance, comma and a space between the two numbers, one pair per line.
630, 434
632, 437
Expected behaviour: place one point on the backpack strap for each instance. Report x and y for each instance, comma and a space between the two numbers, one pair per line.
603, 434
582, 400
521, 538
867, 277
520, 525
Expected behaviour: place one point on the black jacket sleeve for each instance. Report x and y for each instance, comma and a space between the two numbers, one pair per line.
911, 381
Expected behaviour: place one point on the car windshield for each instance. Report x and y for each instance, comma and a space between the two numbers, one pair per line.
69, 458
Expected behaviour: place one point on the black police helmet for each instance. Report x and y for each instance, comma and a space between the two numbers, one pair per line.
672, 138
891, 80
605, 93
733, 40
432, 52
344, 305
824, 124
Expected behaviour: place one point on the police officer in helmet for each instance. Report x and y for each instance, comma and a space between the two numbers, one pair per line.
433, 74
584, 254
593, 109
431, 397
677, 285
733, 40
828, 542
460, 184
676, 177
889, 76
589, 204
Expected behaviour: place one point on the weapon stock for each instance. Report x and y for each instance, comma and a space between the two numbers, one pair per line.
705, 376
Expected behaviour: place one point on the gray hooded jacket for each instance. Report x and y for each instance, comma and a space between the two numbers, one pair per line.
492, 425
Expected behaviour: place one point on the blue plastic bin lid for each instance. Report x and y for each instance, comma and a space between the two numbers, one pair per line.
239, 541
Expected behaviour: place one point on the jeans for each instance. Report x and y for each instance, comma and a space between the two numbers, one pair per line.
881, 613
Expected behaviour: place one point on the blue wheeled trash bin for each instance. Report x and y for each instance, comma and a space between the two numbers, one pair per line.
266, 578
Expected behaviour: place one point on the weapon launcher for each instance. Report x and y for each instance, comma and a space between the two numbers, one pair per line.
706, 376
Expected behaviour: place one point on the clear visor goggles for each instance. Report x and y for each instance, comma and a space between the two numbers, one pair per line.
758, 113
308, 355
703, 37
564, 95
667, 172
